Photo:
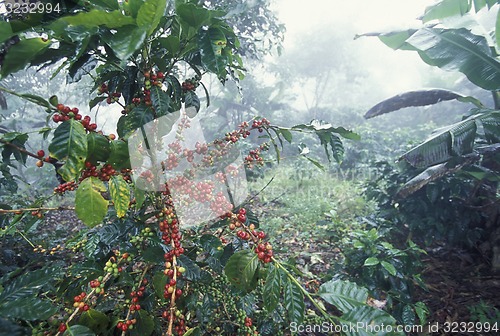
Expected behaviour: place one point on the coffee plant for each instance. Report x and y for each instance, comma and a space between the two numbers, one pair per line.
138, 269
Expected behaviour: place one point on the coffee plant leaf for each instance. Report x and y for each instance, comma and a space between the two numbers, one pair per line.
160, 100
192, 332
28, 308
94, 320
70, 145
389, 267
27, 284
366, 316
272, 289
144, 326
97, 147
93, 18
78, 330
408, 315
194, 16
21, 53
159, 282
119, 157
212, 42
241, 270
120, 194
126, 41
150, 14
139, 116
90, 206
344, 295
193, 271
192, 100
293, 300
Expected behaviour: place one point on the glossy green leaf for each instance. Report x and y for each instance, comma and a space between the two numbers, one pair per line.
150, 14
94, 320
408, 315
293, 300
96, 18
367, 316
194, 16
126, 41
120, 194
344, 295
372, 261
140, 197
171, 43
272, 289
159, 282
241, 270
132, 7
70, 145
145, 324
389, 267
160, 100
90, 206
192, 100
28, 309
422, 312
5, 30
446, 8
139, 116
106, 4
20, 54
27, 284
97, 147
119, 157
211, 42
458, 49
193, 271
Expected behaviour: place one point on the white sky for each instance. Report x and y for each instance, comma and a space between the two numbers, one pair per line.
392, 71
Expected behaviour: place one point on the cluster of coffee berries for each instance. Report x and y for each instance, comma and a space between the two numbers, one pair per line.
112, 267
142, 237
68, 186
51, 251
153, 79
79, 302
264, 252
135, 296
113, 97
66, 113
259, 124
98, 285
78, 245
246, 325
37, 214
170, 234
126, 325
103, 174
190, 84
62, 327
254, 157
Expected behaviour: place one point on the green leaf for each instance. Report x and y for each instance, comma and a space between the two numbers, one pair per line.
97, 147
367, 316
171, 43
408, 315
120, 194
212, 42
126, 41
422, 312
193, 271
145, 324
140, 197
119, 157
96, 18
90, 206
192, 332
159, 282
27, 284
241, 270
78, 330
70, 145
5, 31
192, 100
106, 4
150, 14
193, 15
94, 320
20, 54
344, 295
458, 49
372, 261
293, 300
411, 98
272, 290
139, 116
160, 100
446, 8
389, 267
132, 7
28, 309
